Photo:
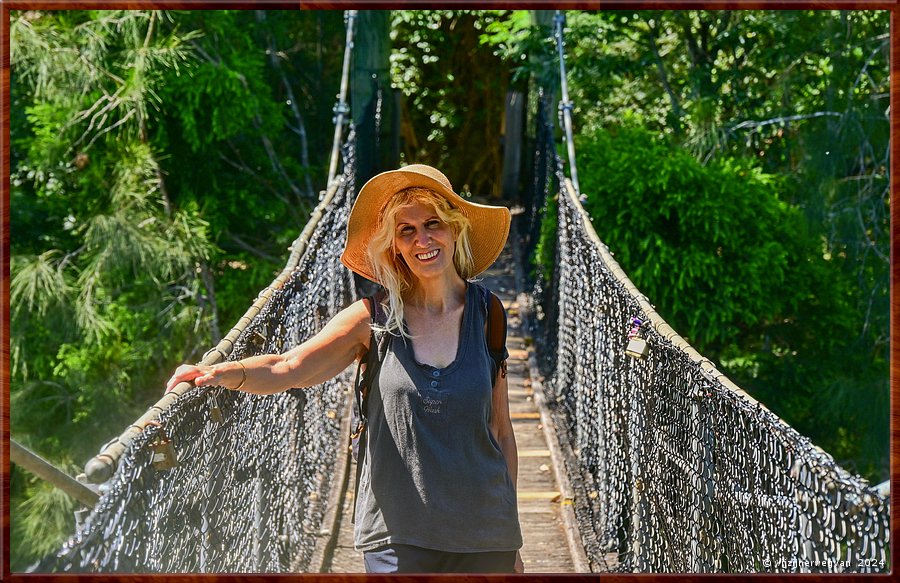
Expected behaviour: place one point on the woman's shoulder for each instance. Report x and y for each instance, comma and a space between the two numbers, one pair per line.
481, 291
354, 322
356, 317
479, 287
361, 309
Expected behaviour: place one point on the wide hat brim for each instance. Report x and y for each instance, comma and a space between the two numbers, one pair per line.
490, 224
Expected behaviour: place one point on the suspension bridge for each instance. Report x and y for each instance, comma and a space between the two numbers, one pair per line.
633, 458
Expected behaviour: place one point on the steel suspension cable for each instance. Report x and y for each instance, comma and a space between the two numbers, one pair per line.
341, 109
565, 106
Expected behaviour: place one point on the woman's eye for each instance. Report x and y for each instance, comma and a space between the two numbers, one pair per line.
406, 230
433, 224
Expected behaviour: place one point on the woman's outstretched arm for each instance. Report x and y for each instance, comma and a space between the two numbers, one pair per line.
317, 360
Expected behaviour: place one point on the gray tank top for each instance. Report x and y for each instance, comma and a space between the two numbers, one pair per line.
433, 475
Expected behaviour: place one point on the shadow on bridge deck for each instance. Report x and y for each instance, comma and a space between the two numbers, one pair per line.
542, 507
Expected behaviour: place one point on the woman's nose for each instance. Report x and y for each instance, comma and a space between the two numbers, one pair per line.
422, 238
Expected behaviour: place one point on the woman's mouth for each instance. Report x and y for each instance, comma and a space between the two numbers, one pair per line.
427, 256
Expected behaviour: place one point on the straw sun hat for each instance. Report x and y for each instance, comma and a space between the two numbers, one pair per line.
490, 224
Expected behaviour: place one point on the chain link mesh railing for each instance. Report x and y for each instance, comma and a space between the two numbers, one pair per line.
249, 492
674, 468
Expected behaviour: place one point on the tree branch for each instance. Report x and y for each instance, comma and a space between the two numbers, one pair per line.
779, 120
257, 123
300, 129
664, 76
248, 247
242, 166
209, 298
865, 71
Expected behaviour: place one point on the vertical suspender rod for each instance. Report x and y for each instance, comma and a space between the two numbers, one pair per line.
341, 109
565, 106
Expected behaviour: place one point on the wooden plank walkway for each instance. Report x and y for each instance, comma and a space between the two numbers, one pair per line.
541, 505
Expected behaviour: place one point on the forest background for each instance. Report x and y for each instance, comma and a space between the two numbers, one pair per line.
161, 163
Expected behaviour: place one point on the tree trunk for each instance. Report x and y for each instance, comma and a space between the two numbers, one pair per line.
372, 101
513, 127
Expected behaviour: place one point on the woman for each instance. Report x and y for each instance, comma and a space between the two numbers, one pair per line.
437, 492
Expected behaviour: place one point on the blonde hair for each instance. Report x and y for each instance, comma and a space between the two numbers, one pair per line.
390, 268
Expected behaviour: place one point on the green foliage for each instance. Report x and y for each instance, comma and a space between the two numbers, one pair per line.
804, 93
526, 47
544, 256
689, 235
713, 77
89, 194
43, 517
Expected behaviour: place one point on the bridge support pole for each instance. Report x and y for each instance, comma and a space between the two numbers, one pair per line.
30, 461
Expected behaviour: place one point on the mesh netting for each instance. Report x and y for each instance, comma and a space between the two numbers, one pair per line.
249, 494
673, 470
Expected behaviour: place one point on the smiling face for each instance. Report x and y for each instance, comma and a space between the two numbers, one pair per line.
429, 224
424, 241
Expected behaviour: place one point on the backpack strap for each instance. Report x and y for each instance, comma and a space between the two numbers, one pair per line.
372, 359
496, 334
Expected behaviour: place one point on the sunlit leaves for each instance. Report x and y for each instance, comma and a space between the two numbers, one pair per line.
37, 519
38, 282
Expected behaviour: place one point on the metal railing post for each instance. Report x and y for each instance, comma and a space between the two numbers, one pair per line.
565, 106
341, 109
30, 461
